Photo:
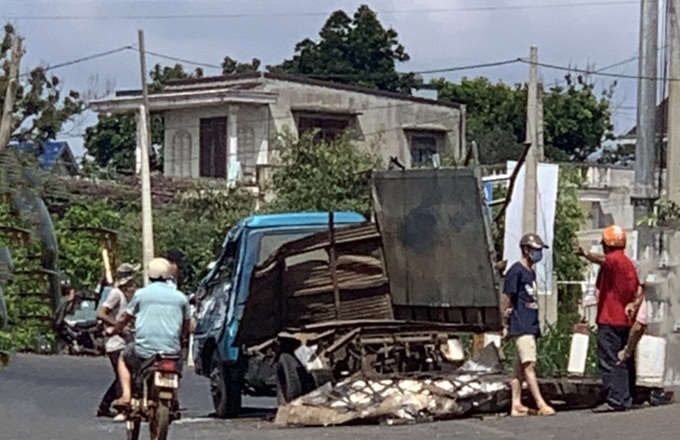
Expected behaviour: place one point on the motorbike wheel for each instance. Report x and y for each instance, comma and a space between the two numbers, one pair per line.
160, 422
133, 429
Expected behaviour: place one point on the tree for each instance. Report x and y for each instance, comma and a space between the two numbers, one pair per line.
576, 119
357, 50
322, 176
113, 140
40, 108
230, 66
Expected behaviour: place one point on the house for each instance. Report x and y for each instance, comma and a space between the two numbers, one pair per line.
630, 138
52, 156
219, 127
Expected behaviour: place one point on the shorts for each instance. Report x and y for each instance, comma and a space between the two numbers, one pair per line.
132, 360
526, 348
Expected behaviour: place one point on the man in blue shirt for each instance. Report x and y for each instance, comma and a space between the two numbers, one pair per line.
520, 307
161, 314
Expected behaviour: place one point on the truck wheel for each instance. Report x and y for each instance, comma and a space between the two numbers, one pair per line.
292, 380
225, 389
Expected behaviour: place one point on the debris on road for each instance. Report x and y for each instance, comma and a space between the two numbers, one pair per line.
478, 385
391, 400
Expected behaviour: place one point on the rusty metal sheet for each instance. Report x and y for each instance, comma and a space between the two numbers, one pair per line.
436, 239
293, 287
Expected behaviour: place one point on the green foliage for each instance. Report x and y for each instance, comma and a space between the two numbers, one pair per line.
553, 351
22, 332
568, 219
112, 142
196, 225
576, 119
322, 176
80, 252
232, 67
356, 50
41, 108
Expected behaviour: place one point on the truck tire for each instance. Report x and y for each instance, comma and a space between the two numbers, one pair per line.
225, 389
292, 380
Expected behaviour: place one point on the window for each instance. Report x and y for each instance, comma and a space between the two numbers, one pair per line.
423, 147
329, 127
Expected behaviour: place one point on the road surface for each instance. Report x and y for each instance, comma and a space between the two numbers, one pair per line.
55, 397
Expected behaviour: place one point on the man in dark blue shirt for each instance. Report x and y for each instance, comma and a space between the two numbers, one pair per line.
520, 308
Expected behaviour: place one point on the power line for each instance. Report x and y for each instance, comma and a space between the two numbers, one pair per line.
339, 75
84, 59
181, 60
591, 72
220, 16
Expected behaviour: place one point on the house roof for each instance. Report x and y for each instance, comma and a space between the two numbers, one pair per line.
51, 153
238, 82
661, 120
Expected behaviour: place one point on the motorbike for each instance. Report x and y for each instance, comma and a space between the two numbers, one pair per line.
80, 338
154, 397
79, 332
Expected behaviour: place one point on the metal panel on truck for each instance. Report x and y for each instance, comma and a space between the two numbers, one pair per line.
437, 241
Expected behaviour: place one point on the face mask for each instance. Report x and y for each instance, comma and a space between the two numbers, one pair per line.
536, 256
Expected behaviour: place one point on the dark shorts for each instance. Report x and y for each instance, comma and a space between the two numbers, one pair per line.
134, 361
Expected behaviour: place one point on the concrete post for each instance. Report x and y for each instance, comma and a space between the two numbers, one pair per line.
645, 149
529, 221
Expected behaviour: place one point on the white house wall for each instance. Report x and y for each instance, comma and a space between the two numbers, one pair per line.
381, 119
182, 137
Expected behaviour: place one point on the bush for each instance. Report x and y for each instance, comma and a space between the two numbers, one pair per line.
322, 176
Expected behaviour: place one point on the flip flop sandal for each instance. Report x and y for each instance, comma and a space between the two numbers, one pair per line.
546, 412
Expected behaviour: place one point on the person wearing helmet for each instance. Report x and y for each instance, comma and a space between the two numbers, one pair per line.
520, 308
161, 320
616, 288
111, 309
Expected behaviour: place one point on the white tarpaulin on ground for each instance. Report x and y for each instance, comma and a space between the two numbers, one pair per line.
548, 175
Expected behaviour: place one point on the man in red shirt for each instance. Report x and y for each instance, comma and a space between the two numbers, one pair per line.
616, 288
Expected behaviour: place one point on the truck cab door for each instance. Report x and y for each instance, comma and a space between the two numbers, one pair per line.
216, 293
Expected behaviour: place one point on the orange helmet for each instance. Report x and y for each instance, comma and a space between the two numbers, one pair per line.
614, 236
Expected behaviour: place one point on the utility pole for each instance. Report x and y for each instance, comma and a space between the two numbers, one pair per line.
673, 149
7, 120
145, 141
540, 142
645, 148
529, 220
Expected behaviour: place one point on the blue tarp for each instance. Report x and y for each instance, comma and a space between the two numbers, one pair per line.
51, 152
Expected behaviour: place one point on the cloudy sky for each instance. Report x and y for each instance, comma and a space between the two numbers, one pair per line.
436, 33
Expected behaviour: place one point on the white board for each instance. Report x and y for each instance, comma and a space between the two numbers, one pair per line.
546, 205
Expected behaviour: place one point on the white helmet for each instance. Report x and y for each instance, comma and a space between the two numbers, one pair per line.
160, 269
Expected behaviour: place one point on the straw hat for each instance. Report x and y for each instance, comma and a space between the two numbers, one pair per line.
126, 272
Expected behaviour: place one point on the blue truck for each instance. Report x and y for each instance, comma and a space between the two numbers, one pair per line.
224, 290
296, 300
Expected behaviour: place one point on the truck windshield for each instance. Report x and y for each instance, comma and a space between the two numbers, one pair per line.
270, 242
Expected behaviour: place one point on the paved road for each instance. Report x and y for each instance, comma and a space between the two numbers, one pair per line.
46, 398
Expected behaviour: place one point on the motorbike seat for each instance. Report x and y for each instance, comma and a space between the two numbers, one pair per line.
150, 362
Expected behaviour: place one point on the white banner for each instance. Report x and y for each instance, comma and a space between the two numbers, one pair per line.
546, 204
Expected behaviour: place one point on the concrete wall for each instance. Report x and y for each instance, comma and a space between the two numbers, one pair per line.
605, 198
380, 124
182, 137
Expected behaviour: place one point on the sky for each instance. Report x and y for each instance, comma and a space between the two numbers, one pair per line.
437, 34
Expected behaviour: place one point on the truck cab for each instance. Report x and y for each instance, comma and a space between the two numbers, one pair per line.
222, 296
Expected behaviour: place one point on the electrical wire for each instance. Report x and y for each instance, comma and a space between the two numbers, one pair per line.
590, 72
84, 59
220, 16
